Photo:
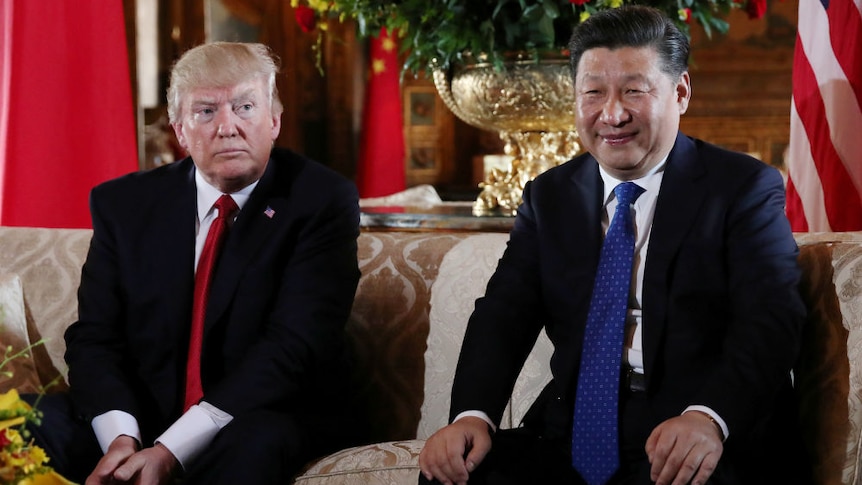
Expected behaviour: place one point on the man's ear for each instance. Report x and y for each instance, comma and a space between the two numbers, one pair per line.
178, 131
276, 126
683, 92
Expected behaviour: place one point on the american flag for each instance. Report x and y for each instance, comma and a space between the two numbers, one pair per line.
269, 212
824, 160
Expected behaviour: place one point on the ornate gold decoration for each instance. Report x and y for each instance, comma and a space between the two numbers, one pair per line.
530, 104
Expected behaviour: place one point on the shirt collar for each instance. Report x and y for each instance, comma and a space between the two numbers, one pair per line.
207, 195
650, 181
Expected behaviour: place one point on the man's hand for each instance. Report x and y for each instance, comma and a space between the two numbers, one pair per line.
124, 464
118, 452
685, 448
443, 455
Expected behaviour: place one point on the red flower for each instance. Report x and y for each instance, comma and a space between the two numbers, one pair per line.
4, 440
306, 18
756, 9
578, 2
685, 15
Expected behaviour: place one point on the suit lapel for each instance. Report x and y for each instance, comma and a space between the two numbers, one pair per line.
251, 229
683, 192
588, 190
583, 237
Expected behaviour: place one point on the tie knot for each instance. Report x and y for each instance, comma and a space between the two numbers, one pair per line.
627, 193
226, 206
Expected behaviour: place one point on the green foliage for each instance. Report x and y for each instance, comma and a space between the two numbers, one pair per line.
440, 32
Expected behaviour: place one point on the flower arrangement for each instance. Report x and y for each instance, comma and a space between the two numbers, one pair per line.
440, 31
21, 461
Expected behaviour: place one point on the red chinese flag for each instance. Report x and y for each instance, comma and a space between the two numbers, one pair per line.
825, 156
380, 170
66, 110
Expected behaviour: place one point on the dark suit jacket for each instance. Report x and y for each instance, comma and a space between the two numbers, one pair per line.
278, 303
721, 312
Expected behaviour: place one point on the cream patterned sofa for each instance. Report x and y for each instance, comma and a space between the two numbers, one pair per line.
416, 292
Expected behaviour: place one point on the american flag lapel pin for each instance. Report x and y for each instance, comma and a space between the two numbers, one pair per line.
269, 212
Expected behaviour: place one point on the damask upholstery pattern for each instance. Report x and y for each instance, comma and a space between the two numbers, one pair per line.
847, 261
829, 372
415, 295
48, 261
20, 372
462, 279
388, 463
389, 326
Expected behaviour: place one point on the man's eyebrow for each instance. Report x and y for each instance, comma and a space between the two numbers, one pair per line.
203, 101
244, 95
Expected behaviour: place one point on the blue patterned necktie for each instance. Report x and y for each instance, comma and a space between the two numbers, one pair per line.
595, 448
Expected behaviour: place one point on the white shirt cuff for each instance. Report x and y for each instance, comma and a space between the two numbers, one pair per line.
195, 429
108, 426
709, 412
477, 414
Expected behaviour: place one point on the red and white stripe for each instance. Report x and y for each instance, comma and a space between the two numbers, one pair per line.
824, 190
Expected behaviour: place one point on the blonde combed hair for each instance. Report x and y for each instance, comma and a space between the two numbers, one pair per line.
222, 64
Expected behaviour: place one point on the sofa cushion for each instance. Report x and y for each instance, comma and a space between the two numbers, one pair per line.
387, 463
20, 372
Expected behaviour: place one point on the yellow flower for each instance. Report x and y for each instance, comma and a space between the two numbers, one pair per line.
319, 5
50, 478
616, 3
38, 455
13, 410
585, 15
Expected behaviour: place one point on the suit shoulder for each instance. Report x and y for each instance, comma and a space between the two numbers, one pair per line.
729, 160
147, 182
299, 174
730, 170
581, 164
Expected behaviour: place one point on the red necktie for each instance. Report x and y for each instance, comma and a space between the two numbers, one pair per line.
203, 277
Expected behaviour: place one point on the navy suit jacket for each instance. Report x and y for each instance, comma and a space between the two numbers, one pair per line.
721, 311
279, 301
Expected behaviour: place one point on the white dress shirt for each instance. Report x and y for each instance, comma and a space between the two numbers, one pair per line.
195, 429
644, 208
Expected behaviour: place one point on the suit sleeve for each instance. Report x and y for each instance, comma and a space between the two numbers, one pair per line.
96, 352
765, 312
504, 325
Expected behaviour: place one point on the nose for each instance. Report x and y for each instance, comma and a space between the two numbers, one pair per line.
226, 124
614, 113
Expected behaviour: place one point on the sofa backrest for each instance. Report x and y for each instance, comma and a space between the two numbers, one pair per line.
40, 270
829, 372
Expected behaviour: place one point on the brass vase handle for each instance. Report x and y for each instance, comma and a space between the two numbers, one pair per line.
443, 82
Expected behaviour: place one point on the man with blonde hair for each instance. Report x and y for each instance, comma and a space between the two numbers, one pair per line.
210, 339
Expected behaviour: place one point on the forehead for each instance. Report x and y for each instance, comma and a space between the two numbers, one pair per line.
252, 89
602, 62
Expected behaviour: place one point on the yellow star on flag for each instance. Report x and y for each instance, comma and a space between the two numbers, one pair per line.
378, 66
387, 44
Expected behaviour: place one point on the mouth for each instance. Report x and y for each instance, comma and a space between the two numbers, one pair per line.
616, 139
229, 152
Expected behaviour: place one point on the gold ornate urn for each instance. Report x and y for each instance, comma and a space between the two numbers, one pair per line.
530, 104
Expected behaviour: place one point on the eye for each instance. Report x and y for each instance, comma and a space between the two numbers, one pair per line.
244, 110
204, 113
